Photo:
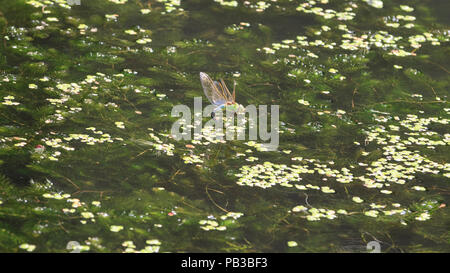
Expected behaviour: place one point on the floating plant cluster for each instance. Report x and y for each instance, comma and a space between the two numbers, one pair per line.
353, 39
399, 165
212, 224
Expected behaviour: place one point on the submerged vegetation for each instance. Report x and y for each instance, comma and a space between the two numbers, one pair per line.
87, 162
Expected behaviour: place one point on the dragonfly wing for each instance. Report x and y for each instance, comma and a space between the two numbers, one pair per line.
221, 97
226, 92
211, 90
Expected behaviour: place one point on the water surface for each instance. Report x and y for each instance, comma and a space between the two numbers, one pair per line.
87, 161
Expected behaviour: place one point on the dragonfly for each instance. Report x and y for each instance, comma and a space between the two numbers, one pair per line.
219, 95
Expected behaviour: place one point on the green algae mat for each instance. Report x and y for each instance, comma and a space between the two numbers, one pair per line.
89, 161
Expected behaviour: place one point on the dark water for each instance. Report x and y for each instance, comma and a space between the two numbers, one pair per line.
87, 159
